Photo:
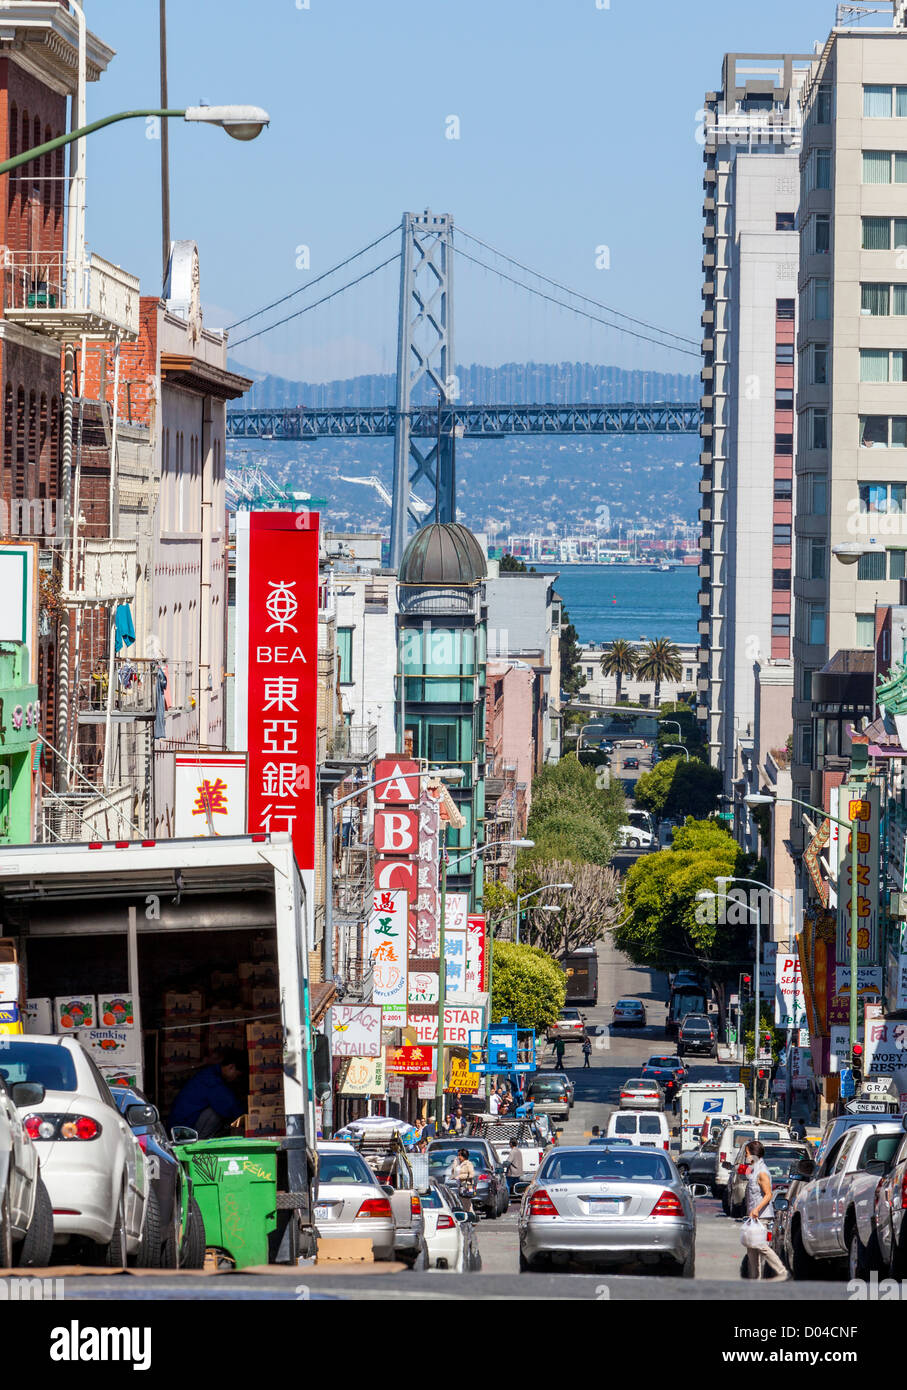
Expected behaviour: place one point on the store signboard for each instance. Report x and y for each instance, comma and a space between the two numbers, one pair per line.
354, 1030
859, 806
456, 908
869, 989
277, 670
424, 987
457, 1024
209, 795
387, 947
417, 1060
425, 926
393, 1016
897, 982
19, 609
396, 781
455, 966
475, 954
886, 1046
364, 1076
460, 1078
396, 832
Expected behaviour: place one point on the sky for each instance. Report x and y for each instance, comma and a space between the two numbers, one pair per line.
576, 124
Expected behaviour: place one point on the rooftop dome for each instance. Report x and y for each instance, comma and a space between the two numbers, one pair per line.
443, 554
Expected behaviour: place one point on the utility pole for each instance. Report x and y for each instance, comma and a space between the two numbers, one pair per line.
165, 150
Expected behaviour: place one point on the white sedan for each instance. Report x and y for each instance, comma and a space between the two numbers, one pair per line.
91, 1161
26, 1218
450, 1237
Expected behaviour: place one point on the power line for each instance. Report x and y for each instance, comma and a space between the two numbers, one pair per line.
324, 300
573, 309
577, 294
309, 283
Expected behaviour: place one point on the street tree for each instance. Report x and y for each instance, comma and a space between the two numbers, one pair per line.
587, 911
676, 788
659, 661
619, 660
528, 987
573, 816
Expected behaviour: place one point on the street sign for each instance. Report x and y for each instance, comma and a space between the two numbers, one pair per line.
866, 1107
847, 1082
765, 1057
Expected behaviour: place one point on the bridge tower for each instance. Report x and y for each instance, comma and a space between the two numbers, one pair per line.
425, 354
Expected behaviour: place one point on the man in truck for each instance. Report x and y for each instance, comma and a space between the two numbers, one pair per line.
207, 1103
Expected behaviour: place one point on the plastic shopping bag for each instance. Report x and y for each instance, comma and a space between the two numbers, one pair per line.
754, 1234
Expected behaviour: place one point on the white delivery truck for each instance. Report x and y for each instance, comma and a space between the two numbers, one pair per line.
134, 927
702, 1101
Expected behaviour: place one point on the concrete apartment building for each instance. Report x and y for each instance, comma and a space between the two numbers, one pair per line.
751, 135
602, 689
524, 623
852, 349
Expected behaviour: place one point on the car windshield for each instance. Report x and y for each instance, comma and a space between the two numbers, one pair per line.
547, 1086
696, 1025
47, 1064
343, 1168
648, 1124
665, 1063
569, 1015
880, 1147
606, 1165
779, 1161
440, 1159
628, 1004
625, 1124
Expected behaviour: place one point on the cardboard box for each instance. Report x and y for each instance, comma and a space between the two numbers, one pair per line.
115, 1011
263, 1059
10, 982
265, 1121
348, 1250
224, 981
257, 972
264, 1034
265, 999
188, 1050
178, 1005
10, 1020
38, 1016
73, 1012
262, 1084
123, 1076
263, 948
115, 1046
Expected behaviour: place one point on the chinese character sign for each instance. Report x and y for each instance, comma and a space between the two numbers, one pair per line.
210, 794
886, 1046
790, 1002
455, 958
869, 987
429, 862
456, 906
475, 954
859, 806
281, 667
388, 930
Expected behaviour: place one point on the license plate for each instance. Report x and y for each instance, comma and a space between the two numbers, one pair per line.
605, 1203
322, 1211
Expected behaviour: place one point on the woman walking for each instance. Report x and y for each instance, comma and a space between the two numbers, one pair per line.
758, 1204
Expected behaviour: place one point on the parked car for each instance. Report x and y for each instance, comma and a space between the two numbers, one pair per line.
351, 1202
570, 1026
641, 1094
91, 1162
450, 1231
562, 1076
741, 1129
492, 1193
628, 1013
871, 1177
698, 1165
669, 1072
836, 1127
779, 1159
607, 1205
631, 762
697, 1034
26, 1214
649, 1131
173, 1236
549, 1095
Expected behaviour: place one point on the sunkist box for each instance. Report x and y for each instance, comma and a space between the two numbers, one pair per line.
9, 982
115, 1045
73, 1012
123, 1076
115, 1011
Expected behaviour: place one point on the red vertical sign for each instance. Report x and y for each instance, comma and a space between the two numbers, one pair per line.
283, 676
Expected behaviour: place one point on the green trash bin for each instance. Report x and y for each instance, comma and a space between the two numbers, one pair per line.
235, 1182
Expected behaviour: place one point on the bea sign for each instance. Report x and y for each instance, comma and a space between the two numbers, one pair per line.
396, 832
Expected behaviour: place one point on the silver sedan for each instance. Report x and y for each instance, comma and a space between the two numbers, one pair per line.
350, 1201
641, 1093
607, 1206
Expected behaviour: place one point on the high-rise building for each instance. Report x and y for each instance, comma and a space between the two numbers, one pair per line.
751, 136
851, 527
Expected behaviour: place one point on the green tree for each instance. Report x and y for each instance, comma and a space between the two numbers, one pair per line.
572, 678
528, 987
512, 564
660, 661
573, 816
676, 788
619, 660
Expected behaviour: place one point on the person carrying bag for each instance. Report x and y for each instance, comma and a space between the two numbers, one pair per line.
754, 1235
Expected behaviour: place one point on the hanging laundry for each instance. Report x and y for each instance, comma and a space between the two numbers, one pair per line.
168, 698
127, 675
160, 688
123, 627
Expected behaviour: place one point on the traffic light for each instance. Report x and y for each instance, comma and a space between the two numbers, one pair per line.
856, 1066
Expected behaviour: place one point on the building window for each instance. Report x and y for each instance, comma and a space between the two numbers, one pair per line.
878, 364
345, 655
820, 364
822, 236
822, 107
820, 299
818, 552
819, 495
806, 745
865, 629
806, 692
819, 432
896, 569
781, 579
781, 533
872, 565
884, 166
781, 625
784, 489
784, 354
816, 624
784, 309
876, 234
784, 444
784, 398
883, 497
881, 102
883, 431
823, 168
785, 221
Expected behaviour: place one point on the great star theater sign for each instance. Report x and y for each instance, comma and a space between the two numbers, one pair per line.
277, 666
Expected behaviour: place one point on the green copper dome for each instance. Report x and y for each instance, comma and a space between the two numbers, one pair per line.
443, 554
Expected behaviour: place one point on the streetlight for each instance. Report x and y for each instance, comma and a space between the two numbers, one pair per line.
706, 895
757, 799
442, 774
849, 552
676, 723
684, 751
524, 898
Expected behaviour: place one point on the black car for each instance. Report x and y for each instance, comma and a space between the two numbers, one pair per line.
698, 1165
669, 1072
631, 762
174, 1231
492, 1193
697, 1034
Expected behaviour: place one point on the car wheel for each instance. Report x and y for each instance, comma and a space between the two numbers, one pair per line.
193, 1251
6, 1233
735, 1211
687, 1270
37, 1247
725, 1201
148, 1255
114, 1253
862, 1259
170, 1245
802, 1264
491, 1210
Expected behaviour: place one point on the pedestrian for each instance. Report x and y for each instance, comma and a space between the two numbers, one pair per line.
596, 1132
587, 1051
456, 1124
494, 1103
463, 1173
513, 1168
759, 1204
559, 1046
429, 1130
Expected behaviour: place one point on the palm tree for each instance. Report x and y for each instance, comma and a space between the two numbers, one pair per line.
660, 661
619, 660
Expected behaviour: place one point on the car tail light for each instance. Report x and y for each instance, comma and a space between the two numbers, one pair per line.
541, 1154
667, 1144
667, 1205
540, 1204
446, 1223
626, 1095
378, 1207
904, 1189
484, 1177
49, 1127
415, 1206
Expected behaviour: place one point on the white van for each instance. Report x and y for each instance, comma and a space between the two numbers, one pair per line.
740, 1131
634, 837
648, 1129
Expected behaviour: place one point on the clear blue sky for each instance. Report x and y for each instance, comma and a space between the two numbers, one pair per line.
577, 130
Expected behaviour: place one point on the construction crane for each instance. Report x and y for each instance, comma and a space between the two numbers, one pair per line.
250, 488
417, 505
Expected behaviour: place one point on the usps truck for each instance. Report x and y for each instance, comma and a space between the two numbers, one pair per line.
703, 1101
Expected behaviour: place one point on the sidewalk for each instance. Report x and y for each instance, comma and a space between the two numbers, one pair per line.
727, 1052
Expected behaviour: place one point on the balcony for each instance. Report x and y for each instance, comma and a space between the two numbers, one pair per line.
105, 572
352, 743
135, 690
105, 298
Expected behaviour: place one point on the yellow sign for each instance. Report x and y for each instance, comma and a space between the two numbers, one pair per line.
460, 1078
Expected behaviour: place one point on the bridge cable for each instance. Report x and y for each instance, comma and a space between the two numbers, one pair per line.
642, 323
573, 309
324, 300
309, 283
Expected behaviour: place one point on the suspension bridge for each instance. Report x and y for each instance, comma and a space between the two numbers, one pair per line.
426, 418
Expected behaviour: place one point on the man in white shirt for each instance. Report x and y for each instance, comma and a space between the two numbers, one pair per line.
494, 1103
